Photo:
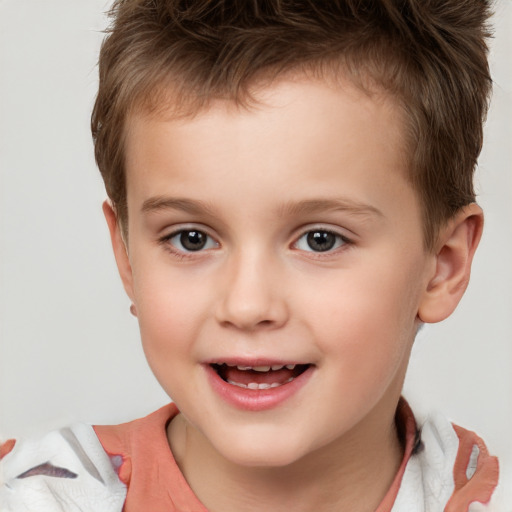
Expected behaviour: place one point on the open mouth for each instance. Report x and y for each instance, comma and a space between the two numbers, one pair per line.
259, 377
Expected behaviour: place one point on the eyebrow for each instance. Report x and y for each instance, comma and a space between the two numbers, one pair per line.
312, 206
305, 207
158, 203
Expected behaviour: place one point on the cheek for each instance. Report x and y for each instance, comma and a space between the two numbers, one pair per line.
169, 314
168, 330
366, 321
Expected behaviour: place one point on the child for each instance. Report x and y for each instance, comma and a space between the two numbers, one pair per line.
291, 199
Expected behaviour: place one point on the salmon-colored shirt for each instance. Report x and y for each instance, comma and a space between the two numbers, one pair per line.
154, 481
130, 468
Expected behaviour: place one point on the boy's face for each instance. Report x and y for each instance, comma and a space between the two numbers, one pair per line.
287, 235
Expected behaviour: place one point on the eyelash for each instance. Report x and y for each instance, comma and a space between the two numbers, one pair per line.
339, 243
183, 253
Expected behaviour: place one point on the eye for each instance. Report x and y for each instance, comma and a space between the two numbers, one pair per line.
191, 240
320, 240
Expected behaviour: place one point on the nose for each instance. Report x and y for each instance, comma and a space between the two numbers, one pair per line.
252, 294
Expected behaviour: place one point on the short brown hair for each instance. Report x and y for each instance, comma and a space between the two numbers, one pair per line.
430, 55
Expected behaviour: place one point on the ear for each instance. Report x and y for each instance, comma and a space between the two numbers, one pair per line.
453, 256
119, 247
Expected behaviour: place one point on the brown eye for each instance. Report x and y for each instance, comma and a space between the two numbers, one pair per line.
191, 240
320, 240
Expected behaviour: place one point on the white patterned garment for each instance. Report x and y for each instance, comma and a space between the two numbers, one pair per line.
65, 471
428, 482
69, 471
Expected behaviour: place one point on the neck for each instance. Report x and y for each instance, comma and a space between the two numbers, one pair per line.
352, 473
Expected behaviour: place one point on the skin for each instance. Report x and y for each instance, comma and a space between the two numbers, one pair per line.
310, 158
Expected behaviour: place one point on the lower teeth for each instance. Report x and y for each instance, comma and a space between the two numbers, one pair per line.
255, 385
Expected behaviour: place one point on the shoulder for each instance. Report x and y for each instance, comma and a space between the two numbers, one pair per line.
451, 471
66, 469
94, 469
147, 466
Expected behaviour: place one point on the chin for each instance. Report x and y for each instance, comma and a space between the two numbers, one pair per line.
260, 453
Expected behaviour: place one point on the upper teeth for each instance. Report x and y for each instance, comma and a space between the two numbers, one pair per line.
274, 367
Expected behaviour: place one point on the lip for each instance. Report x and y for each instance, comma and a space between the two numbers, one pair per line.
256, 399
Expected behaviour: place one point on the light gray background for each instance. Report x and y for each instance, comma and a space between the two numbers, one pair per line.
69, 349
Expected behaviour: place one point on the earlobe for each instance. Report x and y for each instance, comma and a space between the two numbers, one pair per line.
458, 241
119, 247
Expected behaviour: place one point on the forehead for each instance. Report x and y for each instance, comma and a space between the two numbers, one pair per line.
299, 136
295, 102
